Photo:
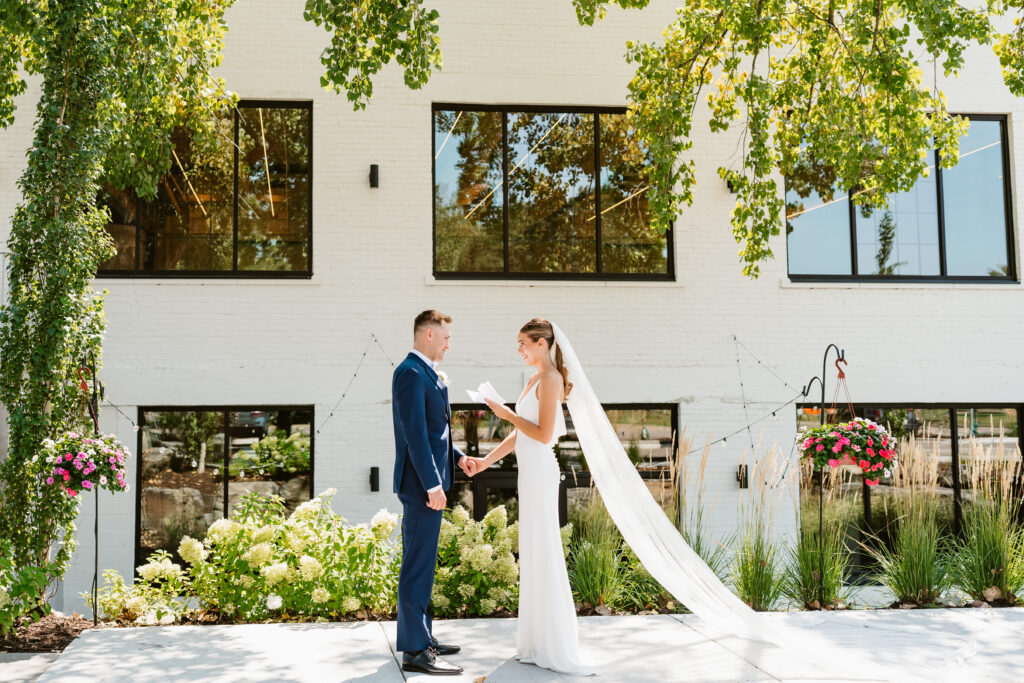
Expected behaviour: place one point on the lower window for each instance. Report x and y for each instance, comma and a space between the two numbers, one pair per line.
195, 464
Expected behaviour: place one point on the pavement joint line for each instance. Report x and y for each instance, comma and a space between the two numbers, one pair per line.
394, 652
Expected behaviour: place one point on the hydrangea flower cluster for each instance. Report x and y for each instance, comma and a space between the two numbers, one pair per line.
859, 442
82, 463
265, 563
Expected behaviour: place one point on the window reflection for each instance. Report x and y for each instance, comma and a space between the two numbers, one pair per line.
551, 218
903, 237
273, 188
974, 204
183, 479
189, 226
909, 236
545, 220
469, 196
628, 245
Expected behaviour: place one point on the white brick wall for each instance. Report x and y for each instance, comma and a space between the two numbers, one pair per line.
265, 342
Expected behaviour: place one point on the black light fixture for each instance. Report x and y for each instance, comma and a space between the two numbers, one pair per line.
374, 175
741, 476
375, 479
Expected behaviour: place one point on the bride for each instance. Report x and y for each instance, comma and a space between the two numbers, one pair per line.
548, 632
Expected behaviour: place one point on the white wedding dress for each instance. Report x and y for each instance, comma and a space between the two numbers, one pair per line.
548, 633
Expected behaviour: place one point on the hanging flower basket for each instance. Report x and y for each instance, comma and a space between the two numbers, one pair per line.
859, 442
83, 463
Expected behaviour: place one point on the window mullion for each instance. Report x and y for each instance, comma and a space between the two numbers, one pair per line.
941, 214
597, 190
505, 188
853, 234
234, 200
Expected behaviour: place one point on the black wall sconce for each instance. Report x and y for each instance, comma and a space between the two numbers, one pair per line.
741, 476
374, 175
375, 479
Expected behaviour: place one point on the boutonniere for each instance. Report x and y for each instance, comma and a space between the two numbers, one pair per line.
443, 376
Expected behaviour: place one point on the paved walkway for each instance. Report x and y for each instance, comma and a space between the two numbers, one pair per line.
944, 644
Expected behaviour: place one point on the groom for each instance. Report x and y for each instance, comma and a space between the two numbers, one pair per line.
424, 462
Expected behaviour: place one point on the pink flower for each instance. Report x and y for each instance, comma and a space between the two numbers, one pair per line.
871, 442
67, 477
870, 451
81, 454
838, 447
49, 480
876, 466
871, 427
819, 448
871, 482
72, 493
833, 434
855, 447
863, 464
844, 441
833, 462
67, 456
78, 464
885, 441
112, 460
86, 484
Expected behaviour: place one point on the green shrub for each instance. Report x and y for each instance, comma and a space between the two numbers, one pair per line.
595, 554
989, 559
20, 590
917, 567
757, 577
813, 574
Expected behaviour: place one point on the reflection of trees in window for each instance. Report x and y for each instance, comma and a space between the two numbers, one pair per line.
468, 194
551, 193
551, 165
953, 222
195, 465
628, 245
190, 225
886, 235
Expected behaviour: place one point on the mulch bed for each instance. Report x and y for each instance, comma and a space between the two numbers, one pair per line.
52, 633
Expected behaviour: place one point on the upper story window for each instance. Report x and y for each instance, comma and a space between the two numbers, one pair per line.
542, 192
242, 210
954, 224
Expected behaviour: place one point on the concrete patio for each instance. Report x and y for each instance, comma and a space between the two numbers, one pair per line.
942, 644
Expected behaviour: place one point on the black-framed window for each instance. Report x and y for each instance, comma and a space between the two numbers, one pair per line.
242, 209
195, 464
954, 224
542, 192
647, 432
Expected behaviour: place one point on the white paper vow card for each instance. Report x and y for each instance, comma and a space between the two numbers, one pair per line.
484, 391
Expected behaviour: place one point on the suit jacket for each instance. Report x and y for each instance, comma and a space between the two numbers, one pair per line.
424, 454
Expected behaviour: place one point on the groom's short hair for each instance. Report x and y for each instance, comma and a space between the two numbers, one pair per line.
428, 318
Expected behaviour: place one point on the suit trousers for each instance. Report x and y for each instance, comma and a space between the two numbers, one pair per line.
420, 529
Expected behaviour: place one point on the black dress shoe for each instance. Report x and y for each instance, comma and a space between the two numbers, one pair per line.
427, 662
445, 650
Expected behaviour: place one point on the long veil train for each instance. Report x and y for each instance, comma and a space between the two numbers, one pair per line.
642, 522
670, 560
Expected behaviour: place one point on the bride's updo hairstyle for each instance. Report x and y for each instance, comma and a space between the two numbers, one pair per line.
538, 329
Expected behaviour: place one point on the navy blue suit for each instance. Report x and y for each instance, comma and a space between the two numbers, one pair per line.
424, 458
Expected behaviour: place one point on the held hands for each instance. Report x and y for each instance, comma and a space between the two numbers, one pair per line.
472, 466
499, 410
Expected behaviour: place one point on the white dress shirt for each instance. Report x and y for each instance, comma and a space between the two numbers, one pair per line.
433, 365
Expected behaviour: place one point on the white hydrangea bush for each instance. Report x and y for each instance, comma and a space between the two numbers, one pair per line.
158, 596
264, 564
477, 570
